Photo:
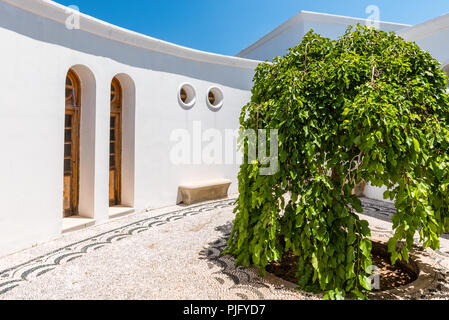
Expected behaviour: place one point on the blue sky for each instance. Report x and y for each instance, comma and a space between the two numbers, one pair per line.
228, 26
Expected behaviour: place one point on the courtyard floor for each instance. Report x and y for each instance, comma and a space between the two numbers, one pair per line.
171, 253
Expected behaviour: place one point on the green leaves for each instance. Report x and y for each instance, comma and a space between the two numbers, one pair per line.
314, 261
365, 247
365, 282
368, 106
351, 238
416, 145
256, 254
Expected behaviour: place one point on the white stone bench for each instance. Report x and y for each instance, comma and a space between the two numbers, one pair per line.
204, 191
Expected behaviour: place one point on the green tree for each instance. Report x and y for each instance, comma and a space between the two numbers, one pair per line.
368, 106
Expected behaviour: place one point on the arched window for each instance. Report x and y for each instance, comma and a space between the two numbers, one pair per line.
72, 89
71, 143
116, 93
115, 144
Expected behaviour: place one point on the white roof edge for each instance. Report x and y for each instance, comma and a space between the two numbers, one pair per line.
426, 28
59, 13
278, 30
308, 15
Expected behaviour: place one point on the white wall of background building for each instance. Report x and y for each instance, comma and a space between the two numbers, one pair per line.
290, 33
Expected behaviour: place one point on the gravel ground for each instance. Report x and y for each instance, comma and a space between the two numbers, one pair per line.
171, 253
177, 257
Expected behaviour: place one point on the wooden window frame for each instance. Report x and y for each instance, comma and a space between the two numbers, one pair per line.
73, 108
116, 111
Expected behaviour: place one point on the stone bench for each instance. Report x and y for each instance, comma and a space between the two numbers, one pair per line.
204, 191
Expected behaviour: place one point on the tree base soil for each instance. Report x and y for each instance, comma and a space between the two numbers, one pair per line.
391, 276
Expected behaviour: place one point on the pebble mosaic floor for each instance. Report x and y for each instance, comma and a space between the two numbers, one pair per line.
171, 253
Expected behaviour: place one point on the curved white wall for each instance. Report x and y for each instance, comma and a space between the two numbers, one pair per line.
37, 51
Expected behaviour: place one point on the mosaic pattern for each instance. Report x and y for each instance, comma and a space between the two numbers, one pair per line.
436, 262
244, 283
239, 276
378, 209
248, 284
13, 277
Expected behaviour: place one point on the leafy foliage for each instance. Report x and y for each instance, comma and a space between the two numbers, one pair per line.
368, 106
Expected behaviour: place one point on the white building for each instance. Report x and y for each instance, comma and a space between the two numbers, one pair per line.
290, 33
87, 114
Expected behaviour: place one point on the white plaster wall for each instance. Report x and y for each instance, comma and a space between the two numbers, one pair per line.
291, 33
376, 193
278, 45
35, 57
436, 43
334, 30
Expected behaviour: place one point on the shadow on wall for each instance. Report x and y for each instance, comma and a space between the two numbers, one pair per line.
48, 31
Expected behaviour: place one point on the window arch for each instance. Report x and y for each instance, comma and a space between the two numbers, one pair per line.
72, 89
71, 143
116, 93
122, 134
115, 144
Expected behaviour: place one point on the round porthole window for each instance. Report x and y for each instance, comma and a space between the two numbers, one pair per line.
187, 96
215, 98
